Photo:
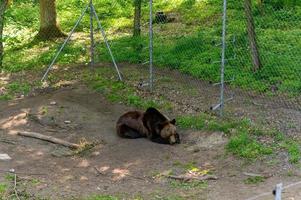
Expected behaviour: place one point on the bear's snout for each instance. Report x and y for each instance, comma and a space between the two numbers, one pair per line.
174, 139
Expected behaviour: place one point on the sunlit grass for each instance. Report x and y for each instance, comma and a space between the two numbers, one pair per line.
189, 44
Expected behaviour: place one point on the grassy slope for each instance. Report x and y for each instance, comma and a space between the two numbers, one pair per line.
190, 44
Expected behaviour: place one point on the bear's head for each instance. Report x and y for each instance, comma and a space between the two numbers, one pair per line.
168, 132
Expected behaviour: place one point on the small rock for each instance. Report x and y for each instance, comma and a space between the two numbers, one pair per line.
193, 149
53, 103
45, 84
5, 157
62, 152
67, 122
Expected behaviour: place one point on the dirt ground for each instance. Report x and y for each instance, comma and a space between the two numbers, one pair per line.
125, 168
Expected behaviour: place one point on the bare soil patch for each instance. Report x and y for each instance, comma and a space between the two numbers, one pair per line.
126, 168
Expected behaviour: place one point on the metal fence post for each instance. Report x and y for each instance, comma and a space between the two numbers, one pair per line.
106, 42
278, 191
151, 75
91, 34
223, 58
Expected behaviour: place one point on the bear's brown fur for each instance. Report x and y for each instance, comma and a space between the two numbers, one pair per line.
151, 124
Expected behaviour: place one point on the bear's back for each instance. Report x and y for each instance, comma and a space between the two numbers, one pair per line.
152, 118
134, 120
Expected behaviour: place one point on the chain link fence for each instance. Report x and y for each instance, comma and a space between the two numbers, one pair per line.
186, 52
263, 85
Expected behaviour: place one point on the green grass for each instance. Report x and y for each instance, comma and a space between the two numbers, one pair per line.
101, 81
293, 150
244, 137
209, 122
7, 192
190, 45
35, 181
5, 97
101, 197
15, 88
186, 166
195, 53
243, 145
278, 31
3, 188
172, 197
243, 134
188, 185
9, 177
156, 197
254, 180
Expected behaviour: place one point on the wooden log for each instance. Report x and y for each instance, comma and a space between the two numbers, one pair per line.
189, 178
49, 139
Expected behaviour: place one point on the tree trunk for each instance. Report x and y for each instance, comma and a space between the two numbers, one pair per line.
252, 36
137, 18
3, 6
48, 25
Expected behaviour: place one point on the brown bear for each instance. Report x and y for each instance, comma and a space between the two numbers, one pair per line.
151, 124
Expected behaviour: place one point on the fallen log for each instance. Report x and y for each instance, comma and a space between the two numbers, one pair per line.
257, 175
189, 178
49, 139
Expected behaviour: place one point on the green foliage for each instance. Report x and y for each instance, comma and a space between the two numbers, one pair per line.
245, 146
281, 4
35, 181
117, 91
182, 45
293, 149
290, 145
243, 134
9, 177
3, 188
187, 166
15, 88
191, 122
172, 197
101, 197
211, 123
5, 97
254, 180
294, 152
188, 185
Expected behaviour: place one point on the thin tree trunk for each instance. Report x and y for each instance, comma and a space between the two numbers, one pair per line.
252, 36
3, 6
48, 25
137, 18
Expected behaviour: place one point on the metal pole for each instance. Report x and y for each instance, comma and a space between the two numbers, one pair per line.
64, 44
91, 35
278, 191
151, 47
223, 58
106, 41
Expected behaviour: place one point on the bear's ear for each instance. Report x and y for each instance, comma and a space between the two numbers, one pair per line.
173, 121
